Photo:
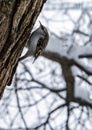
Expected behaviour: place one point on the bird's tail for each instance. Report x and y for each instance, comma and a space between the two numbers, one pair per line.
36, 55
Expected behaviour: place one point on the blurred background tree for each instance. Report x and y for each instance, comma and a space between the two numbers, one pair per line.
55, 93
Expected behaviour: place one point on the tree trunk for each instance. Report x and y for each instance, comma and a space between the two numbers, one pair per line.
17, 18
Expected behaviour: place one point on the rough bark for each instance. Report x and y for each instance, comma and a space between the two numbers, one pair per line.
17, 18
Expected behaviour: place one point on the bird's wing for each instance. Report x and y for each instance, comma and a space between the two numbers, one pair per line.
39, 48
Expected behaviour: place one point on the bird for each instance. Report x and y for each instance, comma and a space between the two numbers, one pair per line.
37, 42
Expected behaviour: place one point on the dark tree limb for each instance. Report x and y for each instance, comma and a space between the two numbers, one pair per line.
17, 18
86, 56
67, 73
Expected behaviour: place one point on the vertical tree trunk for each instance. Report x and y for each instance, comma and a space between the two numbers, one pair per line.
17, 18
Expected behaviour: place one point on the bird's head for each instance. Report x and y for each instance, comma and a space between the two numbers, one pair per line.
43, 28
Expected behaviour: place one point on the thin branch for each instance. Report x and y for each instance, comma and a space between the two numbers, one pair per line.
85, 79
19, 106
